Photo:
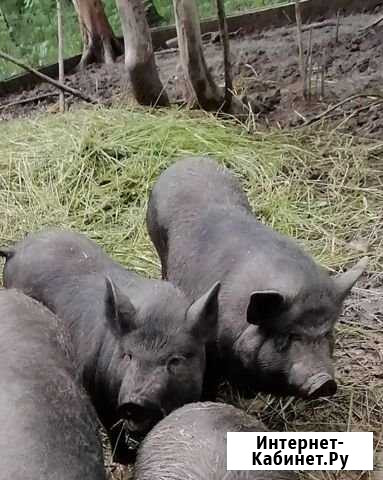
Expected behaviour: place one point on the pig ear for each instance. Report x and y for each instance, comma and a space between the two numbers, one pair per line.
265, 305
202, 315
119, 309
345, 281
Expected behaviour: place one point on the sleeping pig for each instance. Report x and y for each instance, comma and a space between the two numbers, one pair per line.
139, 344
277, 307
191, 444
49, 429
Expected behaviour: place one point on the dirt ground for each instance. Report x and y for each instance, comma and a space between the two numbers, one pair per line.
265, 67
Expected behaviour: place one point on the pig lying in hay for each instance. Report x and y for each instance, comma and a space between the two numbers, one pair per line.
49, 430
277, 307
190, 444
139, 344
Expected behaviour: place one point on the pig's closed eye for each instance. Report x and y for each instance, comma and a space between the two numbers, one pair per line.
175, 362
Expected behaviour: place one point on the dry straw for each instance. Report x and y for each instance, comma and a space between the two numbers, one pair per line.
92, 170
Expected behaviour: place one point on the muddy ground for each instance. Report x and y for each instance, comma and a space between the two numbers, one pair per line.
265, 66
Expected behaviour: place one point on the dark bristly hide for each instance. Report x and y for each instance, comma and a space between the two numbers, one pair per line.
190, 444
49, 429
277, 307
139, 344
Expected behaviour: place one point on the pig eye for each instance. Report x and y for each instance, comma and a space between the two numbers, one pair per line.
282, 343
175, 362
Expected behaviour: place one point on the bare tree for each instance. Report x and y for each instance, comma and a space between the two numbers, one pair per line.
199, 81
139, 55
200, 85
100, 43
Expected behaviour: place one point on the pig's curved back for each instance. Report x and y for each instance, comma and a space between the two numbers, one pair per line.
190, 444
48, 427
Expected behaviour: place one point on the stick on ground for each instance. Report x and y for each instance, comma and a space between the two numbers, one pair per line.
28, 100
374, 24
310, 65
317, 25
337, 26
324, 114
50, 80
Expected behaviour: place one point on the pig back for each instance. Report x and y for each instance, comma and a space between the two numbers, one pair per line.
190, 444
192, 184
49, 428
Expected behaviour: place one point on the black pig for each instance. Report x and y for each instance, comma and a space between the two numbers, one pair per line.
277, 307
139, 344
191, 443
49, 429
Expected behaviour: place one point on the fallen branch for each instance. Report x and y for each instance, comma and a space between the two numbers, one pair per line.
28, 100
159, 53
322, 115
172, 43
373, 24
314, 26
357, 111
47, 79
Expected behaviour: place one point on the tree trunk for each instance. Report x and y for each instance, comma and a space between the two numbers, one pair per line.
200, 83
100, 43
139, 56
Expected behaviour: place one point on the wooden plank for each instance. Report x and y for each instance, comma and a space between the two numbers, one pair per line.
274, 17
261, 19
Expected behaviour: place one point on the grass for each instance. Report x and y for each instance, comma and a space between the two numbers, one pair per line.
92, 170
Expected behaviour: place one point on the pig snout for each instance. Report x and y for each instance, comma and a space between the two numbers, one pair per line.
312, 384
311, 373
321, 384
141, 400
140, 414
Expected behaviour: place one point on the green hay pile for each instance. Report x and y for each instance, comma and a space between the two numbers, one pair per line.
92, 170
